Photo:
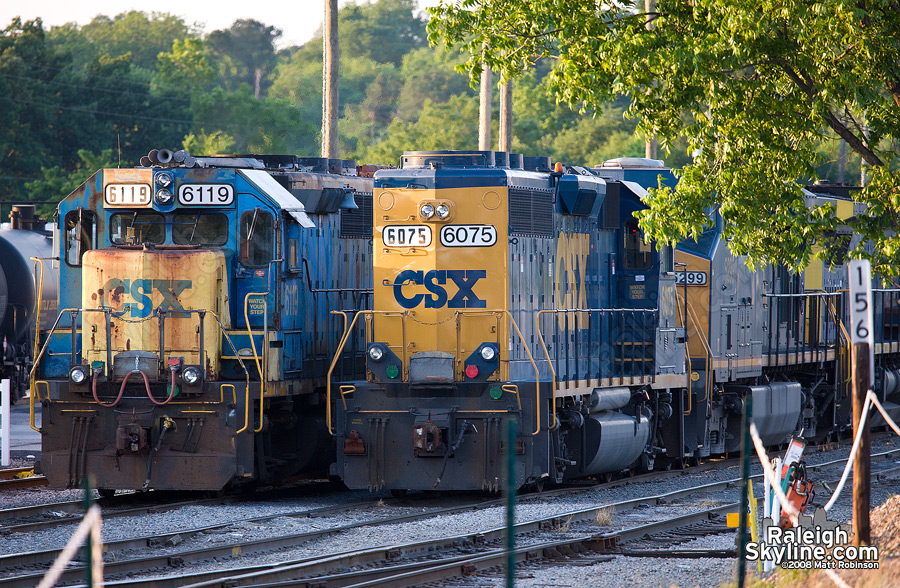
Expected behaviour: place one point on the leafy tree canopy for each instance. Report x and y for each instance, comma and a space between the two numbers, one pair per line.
756, 88
245, 54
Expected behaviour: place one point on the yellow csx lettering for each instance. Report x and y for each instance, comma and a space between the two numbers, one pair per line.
571, 268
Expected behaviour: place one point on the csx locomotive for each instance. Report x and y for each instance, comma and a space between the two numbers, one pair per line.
194, 331
507, 290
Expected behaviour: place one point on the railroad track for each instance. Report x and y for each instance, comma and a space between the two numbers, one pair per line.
18, 478
26, 569
332, 569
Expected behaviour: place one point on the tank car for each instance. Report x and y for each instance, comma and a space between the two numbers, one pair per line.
23, 300
509, 291
195, 331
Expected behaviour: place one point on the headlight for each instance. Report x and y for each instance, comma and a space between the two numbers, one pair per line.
487, 353
427, 211
163, 196
164, 180
376, 353
190, 375
77, 374
443, 211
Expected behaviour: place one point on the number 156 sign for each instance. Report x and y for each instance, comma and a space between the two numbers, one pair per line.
861, 309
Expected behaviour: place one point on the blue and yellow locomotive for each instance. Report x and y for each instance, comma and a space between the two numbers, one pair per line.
509, 291
194, 332
506, 290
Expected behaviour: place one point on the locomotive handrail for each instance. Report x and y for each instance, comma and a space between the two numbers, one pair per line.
537, 328
371, 313
262, 377
37, 334
246, 375
340, 348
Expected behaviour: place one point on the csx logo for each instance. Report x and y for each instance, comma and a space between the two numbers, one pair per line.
434, 282
141, 291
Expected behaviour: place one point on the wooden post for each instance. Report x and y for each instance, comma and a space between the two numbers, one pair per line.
485, 110
506, 116
330, 64
861, 466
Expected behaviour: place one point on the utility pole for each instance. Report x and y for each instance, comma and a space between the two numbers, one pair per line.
484, 111
650, 145
330, 59
506, 116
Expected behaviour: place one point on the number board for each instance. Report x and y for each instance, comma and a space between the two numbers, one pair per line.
692, 278
468, 235
860, 274
128, 195
406, 236
206, 194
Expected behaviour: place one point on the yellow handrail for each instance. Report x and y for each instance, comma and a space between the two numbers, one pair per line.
246, 375
37, 336
372, 313
337, 355
262, 378
537, 328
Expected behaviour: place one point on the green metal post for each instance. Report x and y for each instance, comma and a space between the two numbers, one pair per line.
88, 547
511, 435
746, 450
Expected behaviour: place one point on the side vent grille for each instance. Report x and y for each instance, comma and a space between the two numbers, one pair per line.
356, 223
531, 212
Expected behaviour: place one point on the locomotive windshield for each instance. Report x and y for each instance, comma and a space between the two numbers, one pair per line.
257, 232
199, 229
137, 227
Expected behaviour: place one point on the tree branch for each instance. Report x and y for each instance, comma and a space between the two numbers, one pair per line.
805, 83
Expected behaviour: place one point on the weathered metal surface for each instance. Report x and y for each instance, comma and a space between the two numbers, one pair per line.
135, 285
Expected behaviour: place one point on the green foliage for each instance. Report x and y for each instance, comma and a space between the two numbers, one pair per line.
256, 126
185, 66
57, 182
244, 54
382, 31
447, 125
136, 34
753, 87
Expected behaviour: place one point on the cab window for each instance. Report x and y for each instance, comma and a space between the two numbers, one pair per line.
257, 238
80, 234
199, 228
638, 253
138, 227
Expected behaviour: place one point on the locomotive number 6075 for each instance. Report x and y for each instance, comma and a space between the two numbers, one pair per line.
468, 235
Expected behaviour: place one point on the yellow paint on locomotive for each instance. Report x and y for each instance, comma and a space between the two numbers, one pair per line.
572, 252
698, 303
431, 294
135, 283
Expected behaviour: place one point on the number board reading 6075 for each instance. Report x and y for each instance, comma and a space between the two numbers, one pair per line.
206, 194
406, 236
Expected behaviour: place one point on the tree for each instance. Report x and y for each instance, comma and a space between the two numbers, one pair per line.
447, 125
185, 66
757, 89
245, 54
384, 31
136, 34
270, 126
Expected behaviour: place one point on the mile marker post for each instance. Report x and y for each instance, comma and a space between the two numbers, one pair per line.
863, 378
